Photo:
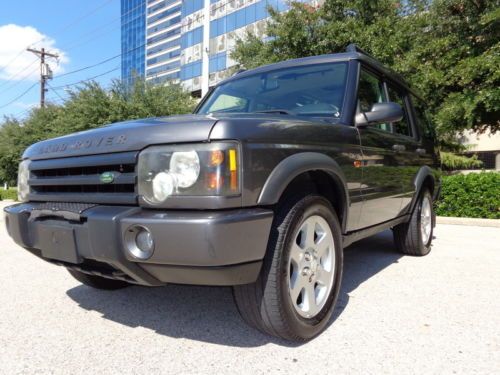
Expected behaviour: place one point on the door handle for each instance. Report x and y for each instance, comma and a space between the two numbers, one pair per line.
398, 148
420, 151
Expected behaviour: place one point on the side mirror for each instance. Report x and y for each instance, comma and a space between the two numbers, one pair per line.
380, 113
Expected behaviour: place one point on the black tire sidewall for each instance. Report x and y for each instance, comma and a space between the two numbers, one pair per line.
425, 247
309, 206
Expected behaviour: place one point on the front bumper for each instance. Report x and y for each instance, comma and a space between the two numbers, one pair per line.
191, 247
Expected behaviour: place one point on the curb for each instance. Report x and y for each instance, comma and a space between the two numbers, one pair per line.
468, 221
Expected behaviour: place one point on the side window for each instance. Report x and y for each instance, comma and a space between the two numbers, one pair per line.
398, 96
371, 91
422, 119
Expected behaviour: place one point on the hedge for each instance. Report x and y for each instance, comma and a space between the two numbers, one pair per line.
472, 195
10, 193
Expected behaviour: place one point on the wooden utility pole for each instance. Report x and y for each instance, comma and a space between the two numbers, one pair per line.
45, 72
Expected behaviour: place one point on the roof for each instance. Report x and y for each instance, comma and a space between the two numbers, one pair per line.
353, 53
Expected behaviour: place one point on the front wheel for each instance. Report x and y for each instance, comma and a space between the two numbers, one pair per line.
415, 236
295, 293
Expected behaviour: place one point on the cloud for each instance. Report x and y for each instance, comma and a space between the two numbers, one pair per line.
15, 39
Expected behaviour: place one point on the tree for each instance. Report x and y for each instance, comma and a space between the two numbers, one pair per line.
88, 107
448, 50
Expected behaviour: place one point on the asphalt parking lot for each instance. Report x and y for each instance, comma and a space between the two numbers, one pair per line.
396, 314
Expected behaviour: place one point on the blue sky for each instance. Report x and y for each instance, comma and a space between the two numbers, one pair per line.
84, 32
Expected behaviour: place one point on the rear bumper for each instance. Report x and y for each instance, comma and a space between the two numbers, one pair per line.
191, 247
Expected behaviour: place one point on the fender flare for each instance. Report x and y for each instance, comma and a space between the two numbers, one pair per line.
292, 166
418, 181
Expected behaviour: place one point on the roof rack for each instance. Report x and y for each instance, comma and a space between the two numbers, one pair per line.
355, 48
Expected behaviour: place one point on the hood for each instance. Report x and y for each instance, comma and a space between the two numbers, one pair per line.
125, 136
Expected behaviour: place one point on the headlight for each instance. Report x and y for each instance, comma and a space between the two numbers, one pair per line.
188, 170
23, 175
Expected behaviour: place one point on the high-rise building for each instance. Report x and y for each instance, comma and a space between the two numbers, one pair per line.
190, 41
133, 20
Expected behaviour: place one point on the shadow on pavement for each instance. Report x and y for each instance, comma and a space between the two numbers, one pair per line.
208, 313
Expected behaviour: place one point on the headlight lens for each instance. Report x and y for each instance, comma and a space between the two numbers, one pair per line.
188, 170
185, 166
23, 175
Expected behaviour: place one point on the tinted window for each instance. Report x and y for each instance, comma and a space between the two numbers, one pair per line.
310, 90
370, 91
422, 118
399, 96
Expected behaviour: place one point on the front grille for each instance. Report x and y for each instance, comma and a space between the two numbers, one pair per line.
78, 179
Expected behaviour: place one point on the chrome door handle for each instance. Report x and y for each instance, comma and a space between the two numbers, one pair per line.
399, 148
420, 151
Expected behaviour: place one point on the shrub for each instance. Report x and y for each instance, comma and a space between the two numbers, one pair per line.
472, 195
451, 161
10, 193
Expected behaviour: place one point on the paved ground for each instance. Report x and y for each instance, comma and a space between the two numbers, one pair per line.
438, 314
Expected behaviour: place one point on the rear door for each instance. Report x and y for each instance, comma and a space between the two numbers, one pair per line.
410, 154
381, 182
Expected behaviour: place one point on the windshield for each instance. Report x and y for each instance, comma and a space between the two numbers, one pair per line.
309, 90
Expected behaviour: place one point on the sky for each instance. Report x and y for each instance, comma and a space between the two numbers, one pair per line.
81, 32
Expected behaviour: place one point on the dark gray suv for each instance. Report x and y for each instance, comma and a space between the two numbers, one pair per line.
278, 170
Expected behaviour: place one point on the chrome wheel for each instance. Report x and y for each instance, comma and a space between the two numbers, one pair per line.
311, 266
426, 219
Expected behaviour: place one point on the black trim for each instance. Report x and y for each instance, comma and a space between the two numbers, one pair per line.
357, 235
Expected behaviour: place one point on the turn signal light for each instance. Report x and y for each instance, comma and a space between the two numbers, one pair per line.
216, 158
214, 181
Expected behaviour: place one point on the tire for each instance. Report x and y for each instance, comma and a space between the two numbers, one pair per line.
98, 282
412, 238
299, 269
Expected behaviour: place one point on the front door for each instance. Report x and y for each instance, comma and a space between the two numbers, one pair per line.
381, 182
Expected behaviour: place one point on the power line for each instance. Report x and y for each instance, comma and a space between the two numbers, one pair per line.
100, 28
69, 25
12, 60
55, 92
79, 19
85, 80
18, 73
20, 96
100, 62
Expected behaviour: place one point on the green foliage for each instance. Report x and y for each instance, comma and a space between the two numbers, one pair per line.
452, 161
449, 50
88, 107
10, 193
472, 195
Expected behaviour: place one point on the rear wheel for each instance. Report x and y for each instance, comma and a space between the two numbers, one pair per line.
98, 282
415, 236
296, 291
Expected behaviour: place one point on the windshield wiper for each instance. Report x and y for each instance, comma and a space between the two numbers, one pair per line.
280, 111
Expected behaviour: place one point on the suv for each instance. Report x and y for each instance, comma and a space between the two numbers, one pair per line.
278, 170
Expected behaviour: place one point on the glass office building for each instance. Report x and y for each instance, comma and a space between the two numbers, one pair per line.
190, 41
132, 39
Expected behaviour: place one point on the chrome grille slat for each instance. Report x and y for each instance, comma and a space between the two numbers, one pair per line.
78, 179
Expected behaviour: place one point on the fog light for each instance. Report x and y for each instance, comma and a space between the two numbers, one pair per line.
139, 242
144, 240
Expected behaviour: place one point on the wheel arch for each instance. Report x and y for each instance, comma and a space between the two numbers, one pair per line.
423, 179
308, 170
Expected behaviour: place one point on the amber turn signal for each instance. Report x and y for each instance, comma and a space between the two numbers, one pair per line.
214, 181
216, 158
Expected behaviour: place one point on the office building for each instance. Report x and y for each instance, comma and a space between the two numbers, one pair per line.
133, 32
190, 41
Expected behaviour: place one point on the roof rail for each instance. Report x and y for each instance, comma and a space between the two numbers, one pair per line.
355, 48
239, 71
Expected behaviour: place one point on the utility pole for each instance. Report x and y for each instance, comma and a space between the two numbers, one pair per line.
45, 72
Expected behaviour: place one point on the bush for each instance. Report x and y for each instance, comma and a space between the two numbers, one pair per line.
472, 195
10, 193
